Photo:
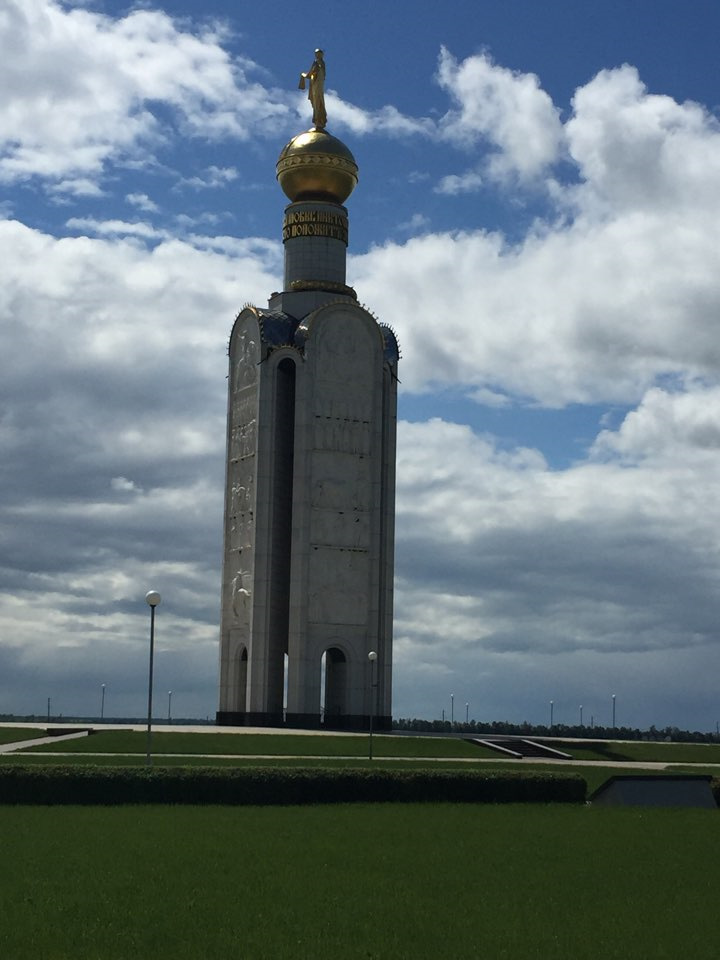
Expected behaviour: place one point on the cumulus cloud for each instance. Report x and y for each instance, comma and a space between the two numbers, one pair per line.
508, 109
142, 201
454, 183
84, 87
620, 289
112, 447
501, 556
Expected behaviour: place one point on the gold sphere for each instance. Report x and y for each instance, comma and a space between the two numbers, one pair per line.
317, 166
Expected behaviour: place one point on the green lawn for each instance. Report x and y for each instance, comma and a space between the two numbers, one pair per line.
253, 744
641, 751
381, 881
11, 734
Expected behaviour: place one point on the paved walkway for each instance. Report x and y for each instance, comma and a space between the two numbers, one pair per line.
204, 728
38, 741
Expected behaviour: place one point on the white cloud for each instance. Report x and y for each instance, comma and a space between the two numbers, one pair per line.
680, 428
638, 151
83, 87
214, 177
508, 109
453, 183
115, 228
142, 201
500, 554
595, 303
386, 120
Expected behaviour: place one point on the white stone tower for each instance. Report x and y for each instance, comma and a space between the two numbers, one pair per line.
307, 588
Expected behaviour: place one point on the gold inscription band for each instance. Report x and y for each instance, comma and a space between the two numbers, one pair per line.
315, 223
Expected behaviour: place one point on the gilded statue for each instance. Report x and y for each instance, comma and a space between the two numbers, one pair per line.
316, 92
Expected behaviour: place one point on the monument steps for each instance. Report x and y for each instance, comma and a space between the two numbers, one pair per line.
520, 748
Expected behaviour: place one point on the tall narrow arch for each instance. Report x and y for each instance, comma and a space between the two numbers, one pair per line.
334, 684
281, 503
242, 678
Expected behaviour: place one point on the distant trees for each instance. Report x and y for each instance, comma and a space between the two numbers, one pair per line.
503, 727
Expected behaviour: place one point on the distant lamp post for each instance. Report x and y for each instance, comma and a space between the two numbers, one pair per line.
552, 705
169, 705
152, 598
467, 713
452, 709
102, 701
48, 709
581, 715
613, 702
372, 657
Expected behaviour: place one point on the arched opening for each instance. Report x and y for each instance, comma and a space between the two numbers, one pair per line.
242, 672
286, 664
281, 501
333, 685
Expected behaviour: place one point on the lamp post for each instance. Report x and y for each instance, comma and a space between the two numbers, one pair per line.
467, 713
452, 709
102, 701
613, 701
169, 705
552, 704
580, 714
48, 709
372, 657
152, 598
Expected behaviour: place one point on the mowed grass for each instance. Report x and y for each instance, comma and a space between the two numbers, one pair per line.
641, 751
380, 881
12, 734
271, 744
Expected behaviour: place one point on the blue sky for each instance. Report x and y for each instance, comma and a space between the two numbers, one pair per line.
537, 217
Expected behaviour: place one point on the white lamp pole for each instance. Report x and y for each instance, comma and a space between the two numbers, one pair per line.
152, 598
372, 657
169, 705
102, 701
452, 709
552, 704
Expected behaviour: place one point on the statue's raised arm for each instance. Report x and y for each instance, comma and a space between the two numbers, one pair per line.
316, 92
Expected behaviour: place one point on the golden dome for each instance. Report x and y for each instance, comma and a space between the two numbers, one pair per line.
317, 166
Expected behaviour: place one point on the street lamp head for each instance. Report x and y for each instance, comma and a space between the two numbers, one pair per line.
372, 656
152, 598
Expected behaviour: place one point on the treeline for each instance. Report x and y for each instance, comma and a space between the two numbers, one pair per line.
501, 727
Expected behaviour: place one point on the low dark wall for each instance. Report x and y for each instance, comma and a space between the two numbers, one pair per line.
357, 723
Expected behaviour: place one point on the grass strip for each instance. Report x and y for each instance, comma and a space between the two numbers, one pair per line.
130, 741
640, 751
359, 882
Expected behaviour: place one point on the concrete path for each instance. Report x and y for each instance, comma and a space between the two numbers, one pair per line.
39, 741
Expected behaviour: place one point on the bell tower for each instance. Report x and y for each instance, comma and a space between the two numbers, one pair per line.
307, 590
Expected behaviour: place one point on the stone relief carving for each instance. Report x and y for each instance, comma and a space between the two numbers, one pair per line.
241, 596
246, 360
242, 441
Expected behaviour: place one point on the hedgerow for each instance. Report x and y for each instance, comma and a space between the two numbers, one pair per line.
281, 786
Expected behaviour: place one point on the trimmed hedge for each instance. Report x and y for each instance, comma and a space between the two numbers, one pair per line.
274, 785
